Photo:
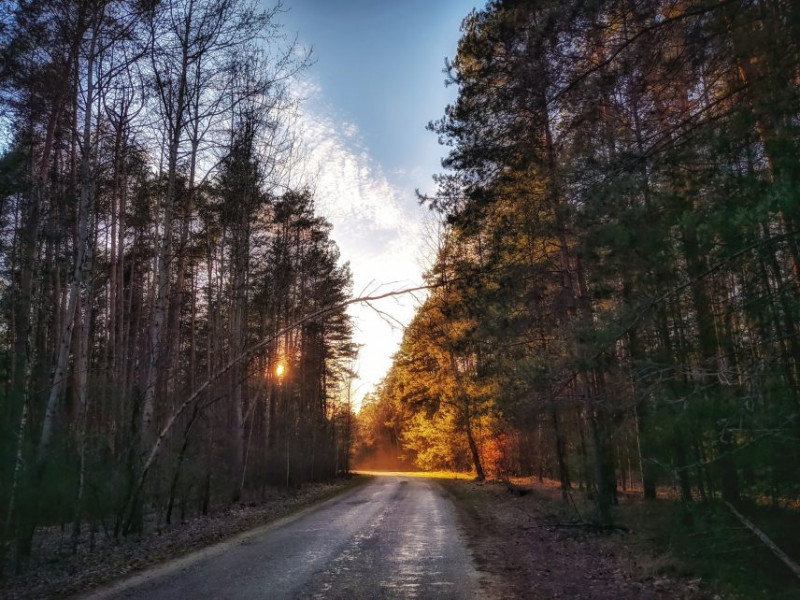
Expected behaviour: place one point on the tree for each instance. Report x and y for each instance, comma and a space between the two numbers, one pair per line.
143, 189
609, 277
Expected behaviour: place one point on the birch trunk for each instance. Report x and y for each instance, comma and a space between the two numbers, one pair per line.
80, 266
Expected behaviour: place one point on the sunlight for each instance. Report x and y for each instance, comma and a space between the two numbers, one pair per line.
425, 474
280, 369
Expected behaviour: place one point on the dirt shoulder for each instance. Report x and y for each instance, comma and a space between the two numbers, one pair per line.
59, 574
536, 546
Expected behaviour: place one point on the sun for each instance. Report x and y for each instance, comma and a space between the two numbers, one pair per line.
280, 369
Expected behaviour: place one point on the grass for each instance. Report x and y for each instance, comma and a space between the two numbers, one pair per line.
706, 540
428, 474
668, 537
57, 574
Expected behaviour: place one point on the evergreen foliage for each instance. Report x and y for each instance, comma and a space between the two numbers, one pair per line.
619, 278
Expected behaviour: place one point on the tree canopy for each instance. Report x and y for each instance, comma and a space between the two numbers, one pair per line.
619, 274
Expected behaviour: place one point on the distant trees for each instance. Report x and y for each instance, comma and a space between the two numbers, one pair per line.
148, 242
618, 192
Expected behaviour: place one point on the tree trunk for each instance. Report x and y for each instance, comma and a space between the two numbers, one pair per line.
473, 449
80, 268
81, 377
563, 469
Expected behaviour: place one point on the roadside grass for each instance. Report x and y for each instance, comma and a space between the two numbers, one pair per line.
705, 539
58, 573
427, 474
668, 538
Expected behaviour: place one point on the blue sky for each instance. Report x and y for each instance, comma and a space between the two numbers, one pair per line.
376, 82
380, 63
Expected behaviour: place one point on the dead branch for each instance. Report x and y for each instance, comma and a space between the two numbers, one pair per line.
766, 541
248, 353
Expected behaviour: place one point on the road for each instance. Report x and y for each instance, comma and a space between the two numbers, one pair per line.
394, 537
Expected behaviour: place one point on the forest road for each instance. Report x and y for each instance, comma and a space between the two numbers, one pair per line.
394, 537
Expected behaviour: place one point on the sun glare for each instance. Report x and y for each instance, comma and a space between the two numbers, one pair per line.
280, 369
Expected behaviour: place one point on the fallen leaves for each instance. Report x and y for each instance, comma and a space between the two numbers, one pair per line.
524, 550
58, 574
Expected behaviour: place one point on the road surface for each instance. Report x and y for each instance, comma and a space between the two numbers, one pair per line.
394, 537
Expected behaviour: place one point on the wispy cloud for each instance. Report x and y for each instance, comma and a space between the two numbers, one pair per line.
376, 223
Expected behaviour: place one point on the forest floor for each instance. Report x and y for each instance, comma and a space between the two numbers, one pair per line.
538, 546
57, 573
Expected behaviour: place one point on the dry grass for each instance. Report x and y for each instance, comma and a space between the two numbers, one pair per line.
427, 474
59, 574
539, 546
695, 551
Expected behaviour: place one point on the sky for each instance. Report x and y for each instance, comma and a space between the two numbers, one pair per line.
376, 81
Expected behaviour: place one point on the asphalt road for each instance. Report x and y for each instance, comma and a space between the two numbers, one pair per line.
394, 537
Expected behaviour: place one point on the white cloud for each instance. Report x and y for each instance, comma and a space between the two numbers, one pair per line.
376, 224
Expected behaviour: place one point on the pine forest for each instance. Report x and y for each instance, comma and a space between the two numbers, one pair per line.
611, 303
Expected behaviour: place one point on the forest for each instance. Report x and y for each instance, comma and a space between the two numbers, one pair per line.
172, 334
615, 297
612, 305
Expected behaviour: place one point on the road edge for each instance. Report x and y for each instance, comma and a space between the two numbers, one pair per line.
163, 569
